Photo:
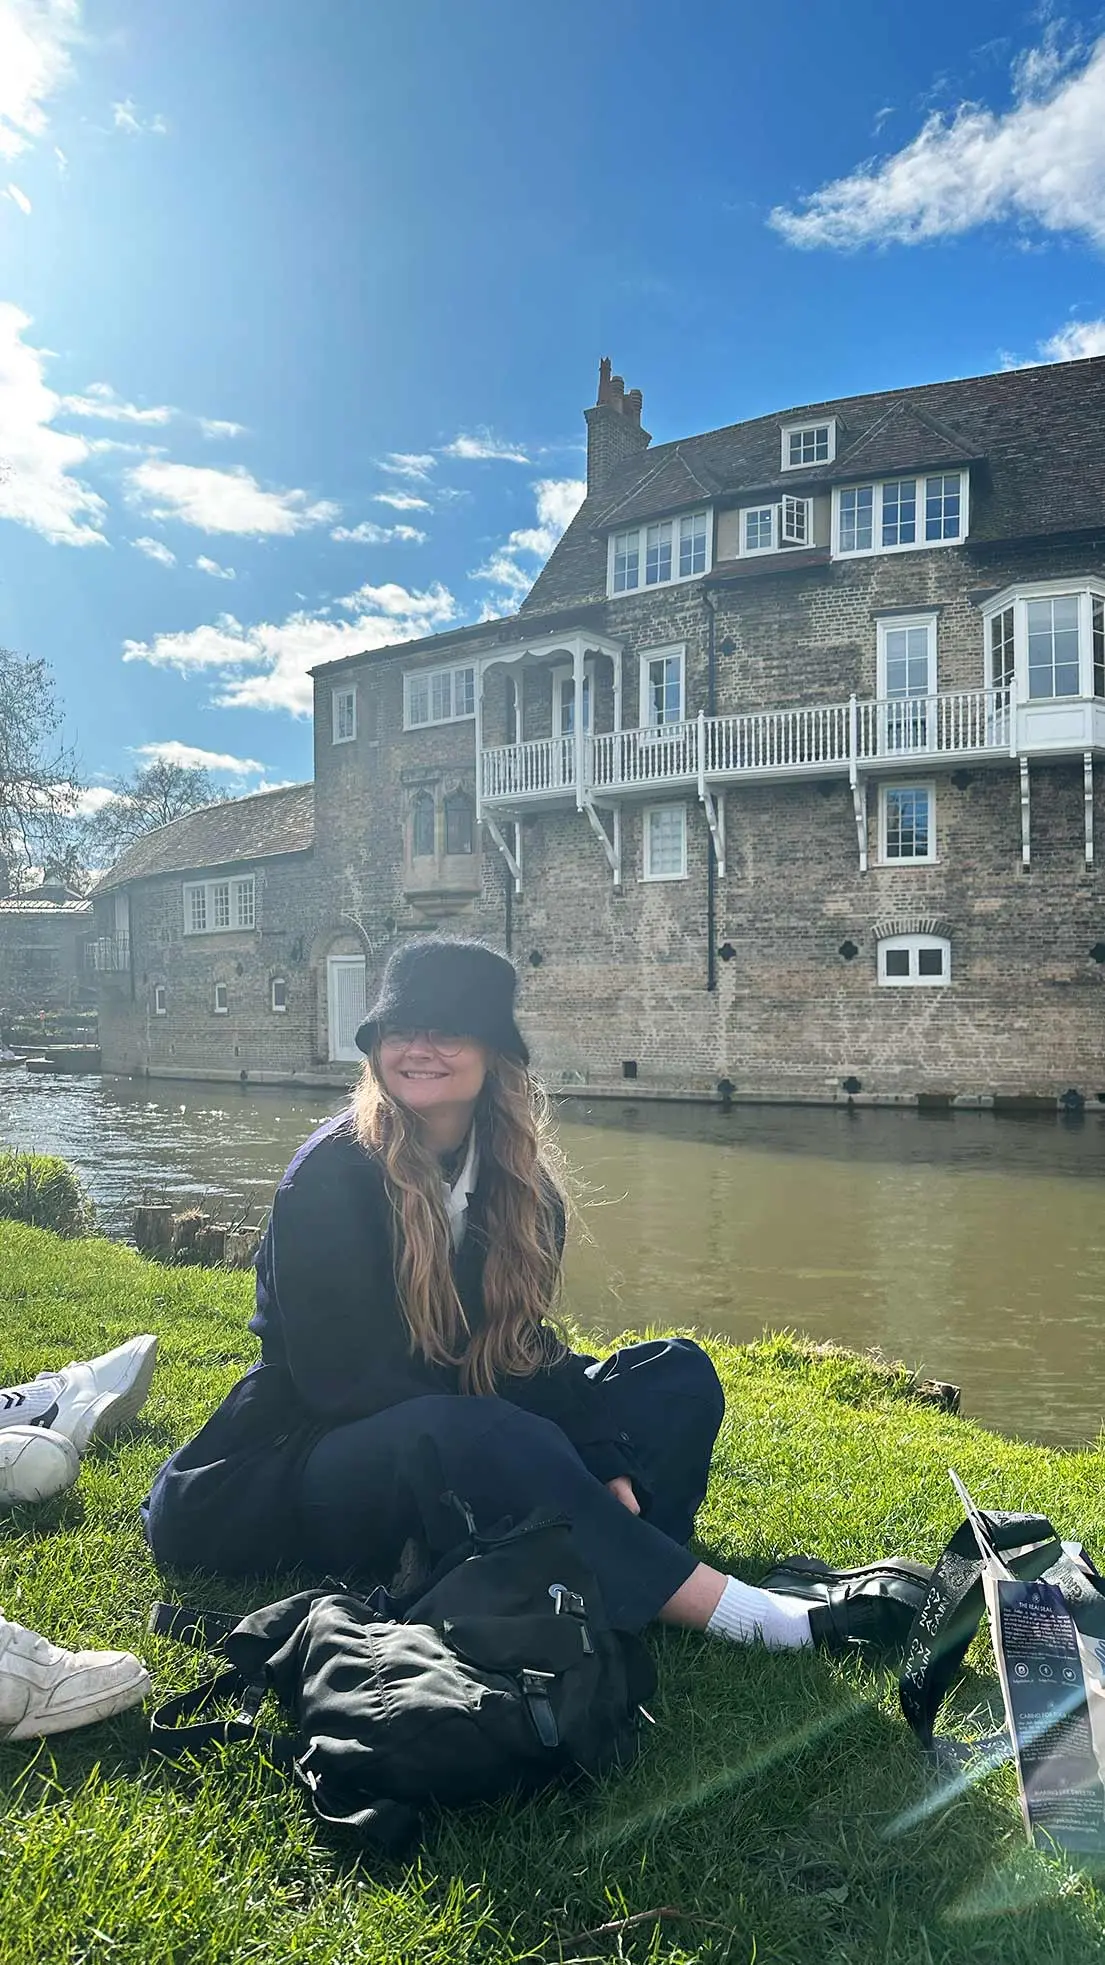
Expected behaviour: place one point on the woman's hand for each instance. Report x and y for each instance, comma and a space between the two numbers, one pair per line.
621, 1487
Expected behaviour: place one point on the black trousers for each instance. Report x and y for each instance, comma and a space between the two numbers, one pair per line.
364, 1486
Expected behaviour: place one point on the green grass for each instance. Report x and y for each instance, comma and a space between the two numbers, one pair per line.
780, 1802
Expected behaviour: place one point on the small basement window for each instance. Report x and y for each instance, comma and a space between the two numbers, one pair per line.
912, 961
222, 999
278, 993
160, 1005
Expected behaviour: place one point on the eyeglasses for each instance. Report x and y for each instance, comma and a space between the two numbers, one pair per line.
445, 1042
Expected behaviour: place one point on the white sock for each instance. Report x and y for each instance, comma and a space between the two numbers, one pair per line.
748, 1616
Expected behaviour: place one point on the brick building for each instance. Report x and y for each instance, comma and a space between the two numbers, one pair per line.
42, 936
783, 778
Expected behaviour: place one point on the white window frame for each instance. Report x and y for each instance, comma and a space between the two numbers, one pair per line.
903, 733
1017, 597
559, 678
781, 540
278, 982
238, 886
341, 699
926, 785
222, 1009
648, 814
757, 511
913, 944
160, 1000
643, 586
790, 430
429, 677
919, 545
676, 650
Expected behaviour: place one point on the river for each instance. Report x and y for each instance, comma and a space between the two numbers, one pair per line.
970, 1246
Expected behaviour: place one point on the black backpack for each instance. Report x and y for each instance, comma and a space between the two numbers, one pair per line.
504, 1674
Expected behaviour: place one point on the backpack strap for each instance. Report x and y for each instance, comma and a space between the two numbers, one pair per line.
952, 1611
204, 1630
201, 1733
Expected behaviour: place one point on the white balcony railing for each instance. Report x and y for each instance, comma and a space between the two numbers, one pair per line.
530, 770
816, 737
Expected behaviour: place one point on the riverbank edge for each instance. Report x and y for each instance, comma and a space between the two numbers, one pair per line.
767, 1792
1067, 1102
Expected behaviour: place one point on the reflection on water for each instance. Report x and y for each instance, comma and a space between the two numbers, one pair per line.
971, 1246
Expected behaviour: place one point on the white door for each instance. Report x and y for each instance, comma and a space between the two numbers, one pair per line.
345, 999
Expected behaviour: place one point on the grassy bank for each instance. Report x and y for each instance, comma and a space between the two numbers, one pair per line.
780, 1802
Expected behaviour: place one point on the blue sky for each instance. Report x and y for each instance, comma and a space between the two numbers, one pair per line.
300, 305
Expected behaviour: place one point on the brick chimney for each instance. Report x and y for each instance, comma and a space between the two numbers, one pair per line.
613, 427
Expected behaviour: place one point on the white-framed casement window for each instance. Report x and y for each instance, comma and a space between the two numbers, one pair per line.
160, 1000
907, 824
1046, 640
899, 515
662, 691
438, 696
767, 528
222, 999
664, 842
278, 994
659, 554
217, 907
564, 701
906, 667
343, 709
912, 961
808, 443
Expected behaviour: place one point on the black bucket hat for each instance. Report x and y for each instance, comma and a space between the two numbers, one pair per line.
437, 983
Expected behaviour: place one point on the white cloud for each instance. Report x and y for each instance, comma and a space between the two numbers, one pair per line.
480, 444
154, 549
35, 36
1041, 162
217, 572
20, 198
92, 800
37, 463
281, 654
220, 426
402, 501
369, 534
126, 118
408, 463
1072, 342
192, 759
223, 501
100, 402
512, 568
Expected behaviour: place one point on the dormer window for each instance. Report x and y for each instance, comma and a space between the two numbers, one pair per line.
808, 443
659, 554
900, 515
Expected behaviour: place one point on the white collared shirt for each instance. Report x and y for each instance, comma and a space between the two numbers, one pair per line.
456, 1196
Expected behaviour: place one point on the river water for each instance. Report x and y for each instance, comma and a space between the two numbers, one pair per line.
968, 1245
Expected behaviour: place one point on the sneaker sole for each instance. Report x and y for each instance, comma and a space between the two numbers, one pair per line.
68, 1720
106, 1416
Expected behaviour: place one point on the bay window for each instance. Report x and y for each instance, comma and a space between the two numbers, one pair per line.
1045, 641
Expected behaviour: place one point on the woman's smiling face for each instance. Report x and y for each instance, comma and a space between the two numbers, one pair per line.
427, 1069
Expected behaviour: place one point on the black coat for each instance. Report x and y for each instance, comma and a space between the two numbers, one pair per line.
335, 1347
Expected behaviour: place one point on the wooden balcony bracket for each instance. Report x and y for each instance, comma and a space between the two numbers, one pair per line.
1087, 799
513, 859
1026, 816
612, 847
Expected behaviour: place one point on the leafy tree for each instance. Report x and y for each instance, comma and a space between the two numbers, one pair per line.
154, 796
38, 788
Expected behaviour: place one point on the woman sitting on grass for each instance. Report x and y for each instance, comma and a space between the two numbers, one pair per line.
404, 1288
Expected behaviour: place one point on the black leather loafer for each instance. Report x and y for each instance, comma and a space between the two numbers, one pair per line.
809, 1577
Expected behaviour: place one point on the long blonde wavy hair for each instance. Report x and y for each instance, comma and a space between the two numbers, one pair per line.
524, 1186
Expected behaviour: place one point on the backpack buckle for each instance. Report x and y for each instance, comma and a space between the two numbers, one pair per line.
570, 1601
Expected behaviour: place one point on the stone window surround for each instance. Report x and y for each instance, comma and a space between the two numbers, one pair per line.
278, 983
222, 999
914, 860
1016, 596
160, 1003
792, 431
875, 485
343, 714
640, 533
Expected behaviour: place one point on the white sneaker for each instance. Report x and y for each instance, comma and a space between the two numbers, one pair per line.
44, 1689
35, 1464
94, 1400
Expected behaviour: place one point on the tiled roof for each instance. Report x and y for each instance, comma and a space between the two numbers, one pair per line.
1036, 430
256, 828
72, 909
